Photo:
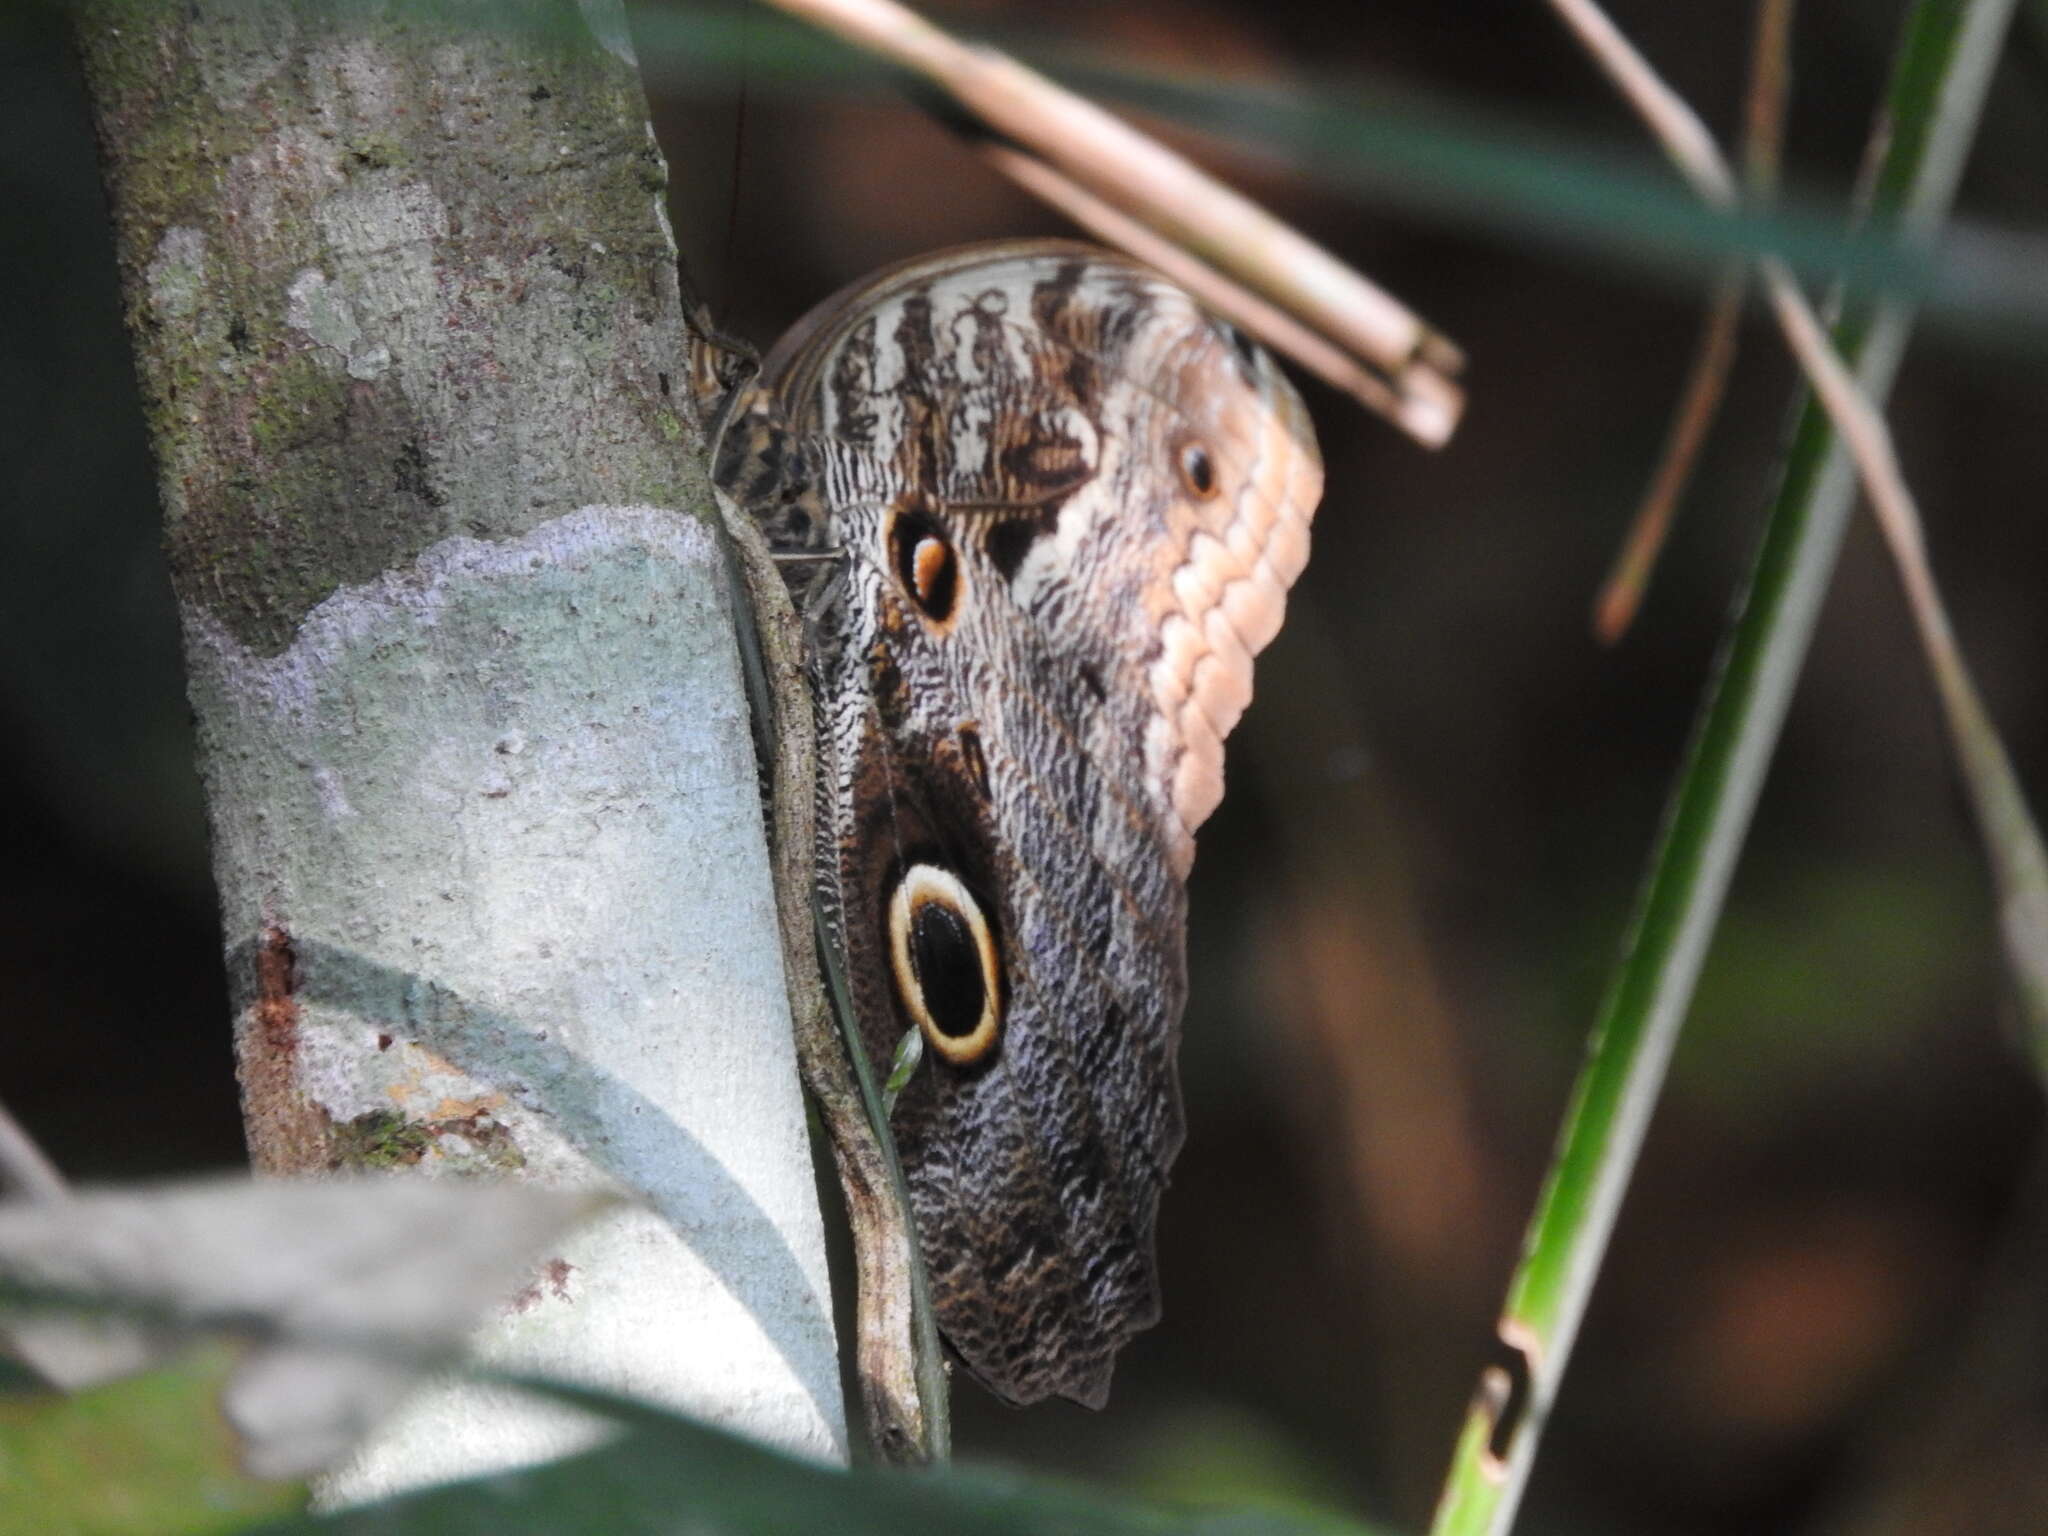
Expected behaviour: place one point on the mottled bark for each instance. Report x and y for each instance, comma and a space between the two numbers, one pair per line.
390, 282
485, 813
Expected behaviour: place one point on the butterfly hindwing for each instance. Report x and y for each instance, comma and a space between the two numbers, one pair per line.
1069, 505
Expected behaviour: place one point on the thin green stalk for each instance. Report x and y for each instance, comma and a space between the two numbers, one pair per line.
1932, 109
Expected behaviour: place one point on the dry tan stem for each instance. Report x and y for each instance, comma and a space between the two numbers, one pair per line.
1622, 593
902, 1427
1429, 410
1099, 155
1670, 118
1714, 357
1770, 85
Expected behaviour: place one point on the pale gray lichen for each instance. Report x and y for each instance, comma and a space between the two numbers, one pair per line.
177, 273
313, 305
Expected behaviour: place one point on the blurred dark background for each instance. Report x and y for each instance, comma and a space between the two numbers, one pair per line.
1824, 1308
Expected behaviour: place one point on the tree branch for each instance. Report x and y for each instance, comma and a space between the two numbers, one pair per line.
485, 813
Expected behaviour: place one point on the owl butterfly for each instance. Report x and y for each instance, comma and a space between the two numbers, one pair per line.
1066, 506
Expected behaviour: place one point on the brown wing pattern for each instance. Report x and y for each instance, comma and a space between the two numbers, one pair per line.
1070, 505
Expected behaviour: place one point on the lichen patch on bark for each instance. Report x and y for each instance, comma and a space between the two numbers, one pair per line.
176, 274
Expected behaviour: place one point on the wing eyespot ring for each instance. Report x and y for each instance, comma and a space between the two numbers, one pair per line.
1196, 468
945, 963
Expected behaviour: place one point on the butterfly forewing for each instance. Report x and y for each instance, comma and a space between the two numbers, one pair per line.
1070, 504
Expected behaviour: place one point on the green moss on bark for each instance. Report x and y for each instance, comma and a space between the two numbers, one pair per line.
381, 1141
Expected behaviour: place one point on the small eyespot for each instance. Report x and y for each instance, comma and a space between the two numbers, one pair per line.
925, 563
1197, 469
942, 954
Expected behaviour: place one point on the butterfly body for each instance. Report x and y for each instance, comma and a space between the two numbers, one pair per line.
1066, 505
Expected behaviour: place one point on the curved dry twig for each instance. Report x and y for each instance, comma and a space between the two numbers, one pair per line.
1113, 179
901, 1395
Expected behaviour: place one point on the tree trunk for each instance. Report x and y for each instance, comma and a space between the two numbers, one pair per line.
485, 813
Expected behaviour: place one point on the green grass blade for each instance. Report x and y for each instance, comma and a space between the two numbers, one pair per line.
1943, 71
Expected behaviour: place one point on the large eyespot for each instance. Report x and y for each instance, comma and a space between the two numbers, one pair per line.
1197, 470
925, 563
943, 956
